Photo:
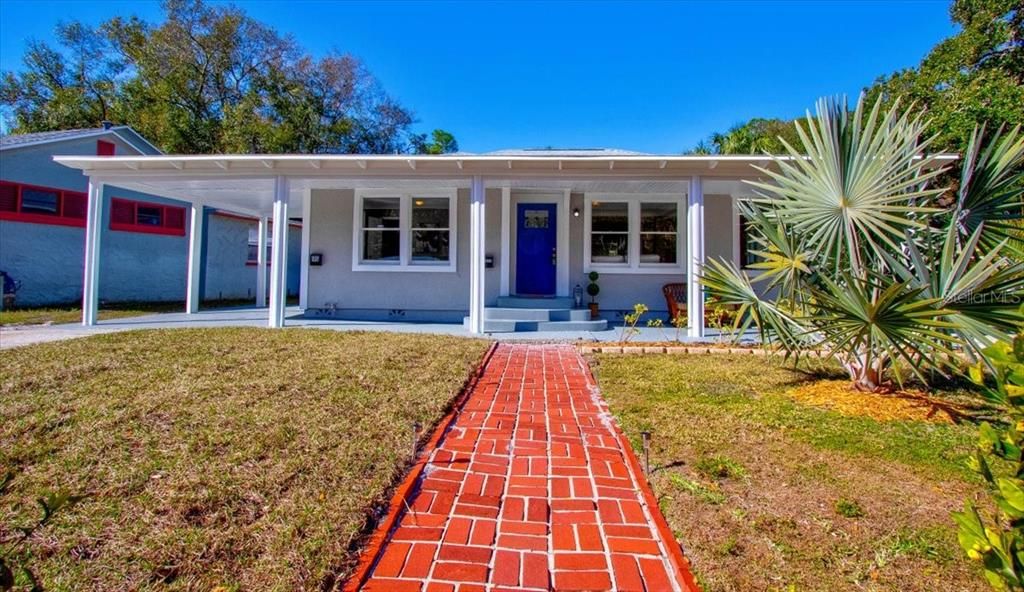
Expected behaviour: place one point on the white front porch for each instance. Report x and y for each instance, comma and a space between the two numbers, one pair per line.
351, 271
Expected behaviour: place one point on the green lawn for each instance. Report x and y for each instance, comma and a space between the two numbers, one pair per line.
72, 312
769, 494
243, 458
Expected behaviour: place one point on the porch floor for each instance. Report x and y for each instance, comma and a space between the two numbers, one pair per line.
257, 317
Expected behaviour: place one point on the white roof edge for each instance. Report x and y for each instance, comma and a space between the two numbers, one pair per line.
433, 158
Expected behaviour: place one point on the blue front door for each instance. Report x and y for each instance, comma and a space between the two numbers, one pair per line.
536, 241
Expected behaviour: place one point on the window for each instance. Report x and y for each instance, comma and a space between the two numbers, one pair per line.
254, 244
430, 229
105, 148
404, 231
747, 245
41, 205
140, 216
633, 234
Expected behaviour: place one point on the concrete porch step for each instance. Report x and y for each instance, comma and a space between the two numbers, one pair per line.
515, 326
527, 302
537, 314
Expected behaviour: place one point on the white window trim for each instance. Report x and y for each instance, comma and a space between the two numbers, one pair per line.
405, 263
633, 264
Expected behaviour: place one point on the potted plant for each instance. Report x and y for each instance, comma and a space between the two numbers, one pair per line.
593, 289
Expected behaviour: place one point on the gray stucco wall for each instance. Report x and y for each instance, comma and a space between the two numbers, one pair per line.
445, 296
412, 295
227, 273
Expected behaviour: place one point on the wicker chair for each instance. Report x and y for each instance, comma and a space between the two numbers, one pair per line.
675, 298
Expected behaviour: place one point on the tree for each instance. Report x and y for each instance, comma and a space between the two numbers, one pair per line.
441, 142
207, 79
976, 75
860, 260
74, 86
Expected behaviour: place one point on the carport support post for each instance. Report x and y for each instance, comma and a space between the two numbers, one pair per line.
261, 263
279, 254
195, 259
695, 259
476, 255
93, 233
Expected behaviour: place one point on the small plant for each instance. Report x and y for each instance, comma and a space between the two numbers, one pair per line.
630, 321
707, 493
592, 288
998, 541
719, 467
679, 322
658, 324
848, 508
10, 564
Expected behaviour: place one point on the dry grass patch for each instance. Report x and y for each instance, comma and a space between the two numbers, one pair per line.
243, 458
769, 493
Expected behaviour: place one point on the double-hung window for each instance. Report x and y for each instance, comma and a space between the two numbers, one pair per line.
404, 231
634, 233
252, 257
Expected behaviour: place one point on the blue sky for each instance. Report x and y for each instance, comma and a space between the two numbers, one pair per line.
655, 77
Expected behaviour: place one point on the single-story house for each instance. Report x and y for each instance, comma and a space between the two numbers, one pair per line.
500, 241
43, 225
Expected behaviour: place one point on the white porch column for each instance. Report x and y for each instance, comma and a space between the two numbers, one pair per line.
476, 255
261, 262
695, 258
195, 257
307, 207
506, 239
279, 254
93, 233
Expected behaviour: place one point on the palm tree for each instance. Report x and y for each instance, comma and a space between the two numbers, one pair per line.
859, 259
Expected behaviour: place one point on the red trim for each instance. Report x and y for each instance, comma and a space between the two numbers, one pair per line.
59, 219
675, 551
105, 148
164, 228
405, 492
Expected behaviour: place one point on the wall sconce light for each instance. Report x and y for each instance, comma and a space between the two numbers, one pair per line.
575, 212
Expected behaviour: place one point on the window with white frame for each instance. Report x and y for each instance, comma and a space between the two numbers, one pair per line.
634, 233
404, 231
254, 242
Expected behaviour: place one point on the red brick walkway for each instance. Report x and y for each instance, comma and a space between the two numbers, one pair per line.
530, 489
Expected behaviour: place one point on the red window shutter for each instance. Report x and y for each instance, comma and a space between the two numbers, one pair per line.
105, 148
75, 205
174, 218
122, 212
8, 197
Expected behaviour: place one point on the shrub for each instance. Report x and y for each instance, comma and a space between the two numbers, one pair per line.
998, 541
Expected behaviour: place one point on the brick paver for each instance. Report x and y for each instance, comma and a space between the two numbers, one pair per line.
529, 490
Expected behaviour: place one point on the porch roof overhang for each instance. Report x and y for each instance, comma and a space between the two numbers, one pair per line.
245, 183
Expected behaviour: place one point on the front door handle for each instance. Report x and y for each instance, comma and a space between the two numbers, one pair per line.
554, 256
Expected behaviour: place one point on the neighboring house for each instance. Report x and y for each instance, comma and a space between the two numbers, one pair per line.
43, 211
501, 238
